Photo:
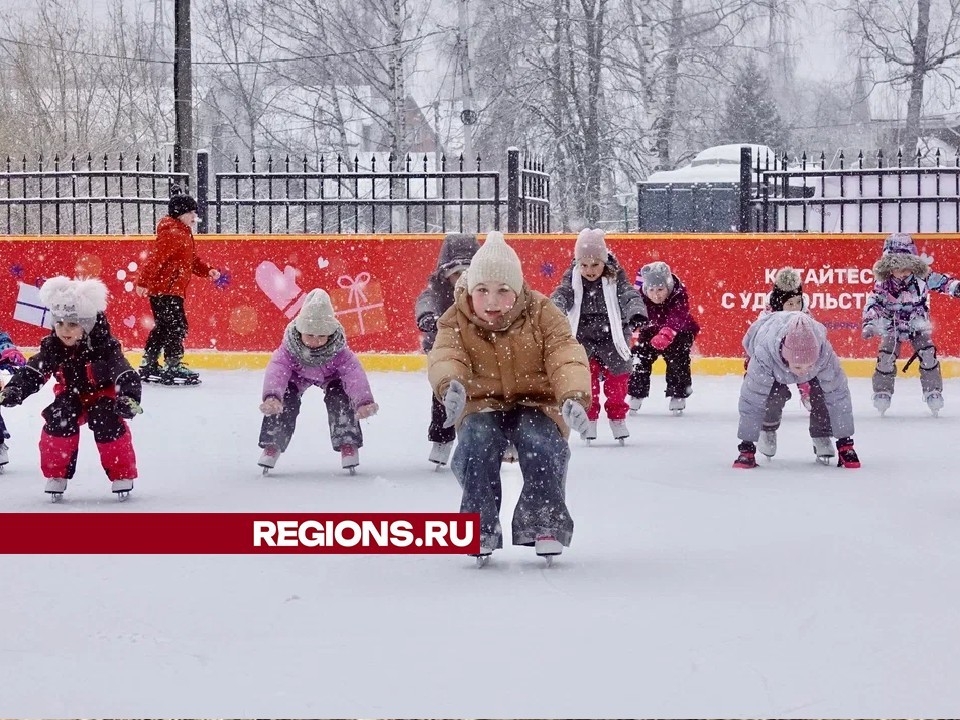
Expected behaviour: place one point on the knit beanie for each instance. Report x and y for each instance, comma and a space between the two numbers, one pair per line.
74, 301
786, 285
495, 263
316, 316
590, 244
180, 204
655, 275
899, 244
801, 346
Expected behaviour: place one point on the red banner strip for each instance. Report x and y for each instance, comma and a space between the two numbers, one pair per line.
238, 533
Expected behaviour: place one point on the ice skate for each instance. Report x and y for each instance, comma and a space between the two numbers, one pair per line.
881, 401
767, 444
56, 487
510, 455
591, 432
933, 399
150, 372
349, 458
180, 374
4, 459
268, 460
121, 488
823, 449
619, 430
678, 405
848, 456
748, 456
634, 403
483, 557
547, 546
440, 453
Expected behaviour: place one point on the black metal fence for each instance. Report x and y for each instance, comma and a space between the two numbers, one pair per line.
421, 194
85, 196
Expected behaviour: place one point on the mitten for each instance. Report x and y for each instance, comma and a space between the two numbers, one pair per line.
454, 402
11, 396
428, 323
875, 327
271, 406
368, 410
575, 416
127, 407
13, 357
663, 338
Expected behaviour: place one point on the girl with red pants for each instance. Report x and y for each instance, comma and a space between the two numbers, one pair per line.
94, 384
604, 309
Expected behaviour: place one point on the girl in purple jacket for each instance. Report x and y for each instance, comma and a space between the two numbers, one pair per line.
670, 332
314, 352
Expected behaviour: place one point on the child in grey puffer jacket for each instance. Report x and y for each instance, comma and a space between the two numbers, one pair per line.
786, 348
455, 254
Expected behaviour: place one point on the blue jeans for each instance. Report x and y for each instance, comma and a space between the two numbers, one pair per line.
543, 456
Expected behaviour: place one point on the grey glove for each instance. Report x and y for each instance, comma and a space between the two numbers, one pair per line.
879, 326
454, 402
575, 416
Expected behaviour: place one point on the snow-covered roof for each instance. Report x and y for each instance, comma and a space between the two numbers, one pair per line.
718, 164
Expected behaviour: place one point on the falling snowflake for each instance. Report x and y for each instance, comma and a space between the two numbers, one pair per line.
223, 281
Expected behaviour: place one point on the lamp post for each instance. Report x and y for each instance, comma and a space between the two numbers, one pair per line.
182, 89
623, 199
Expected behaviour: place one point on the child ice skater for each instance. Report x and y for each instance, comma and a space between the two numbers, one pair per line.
604, 309
670, 332
10, 359
898, 310
508, 369
165, 277
95, 385
787, 348
314, 352
455, 254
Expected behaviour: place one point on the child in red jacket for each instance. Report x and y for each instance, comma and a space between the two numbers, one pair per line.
164, 277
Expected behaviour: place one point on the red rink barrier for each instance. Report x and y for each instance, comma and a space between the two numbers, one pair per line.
120, 533
374, 282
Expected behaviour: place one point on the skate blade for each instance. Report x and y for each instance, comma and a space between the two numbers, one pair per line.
548, 559
55, 496
266, 470
482, 560
825, 459
122, 495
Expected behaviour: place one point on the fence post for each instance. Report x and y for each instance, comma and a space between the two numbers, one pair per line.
639, 207
746, 189
203, 187
514, 201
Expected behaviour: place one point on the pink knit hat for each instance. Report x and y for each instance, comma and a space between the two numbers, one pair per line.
801, 346
591, 244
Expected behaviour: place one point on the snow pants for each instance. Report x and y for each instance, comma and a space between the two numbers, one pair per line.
277, 430
614, 388
438, 416
543, 456
169, 330
677, 357
819, 415
885, 374
60, 437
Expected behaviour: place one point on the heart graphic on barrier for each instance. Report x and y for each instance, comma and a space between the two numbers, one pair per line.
130, 321
322, 263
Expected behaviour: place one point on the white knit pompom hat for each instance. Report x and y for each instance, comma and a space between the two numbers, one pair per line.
495, 263
76, 301
316, 316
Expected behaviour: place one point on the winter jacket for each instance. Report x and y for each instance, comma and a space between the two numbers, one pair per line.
673, 313
172, 260
535, 361
10, 356
457, 249
903, 305
593, 328
284, 368
94, 367
763, 343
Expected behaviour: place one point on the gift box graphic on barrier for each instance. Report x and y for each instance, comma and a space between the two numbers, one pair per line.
29, 309
358, 305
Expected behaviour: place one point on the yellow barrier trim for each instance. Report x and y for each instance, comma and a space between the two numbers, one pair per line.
403, 362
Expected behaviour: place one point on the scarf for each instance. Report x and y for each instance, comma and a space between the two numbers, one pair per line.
613, 310
313, 357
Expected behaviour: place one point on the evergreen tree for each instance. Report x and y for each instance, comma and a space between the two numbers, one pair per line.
751, 114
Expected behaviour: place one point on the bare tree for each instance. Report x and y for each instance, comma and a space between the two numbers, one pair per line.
915, 40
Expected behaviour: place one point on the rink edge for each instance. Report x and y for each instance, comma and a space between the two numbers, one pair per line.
414, 362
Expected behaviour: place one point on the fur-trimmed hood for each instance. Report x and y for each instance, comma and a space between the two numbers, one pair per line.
884, 267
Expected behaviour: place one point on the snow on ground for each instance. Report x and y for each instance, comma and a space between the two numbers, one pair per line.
691, 589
